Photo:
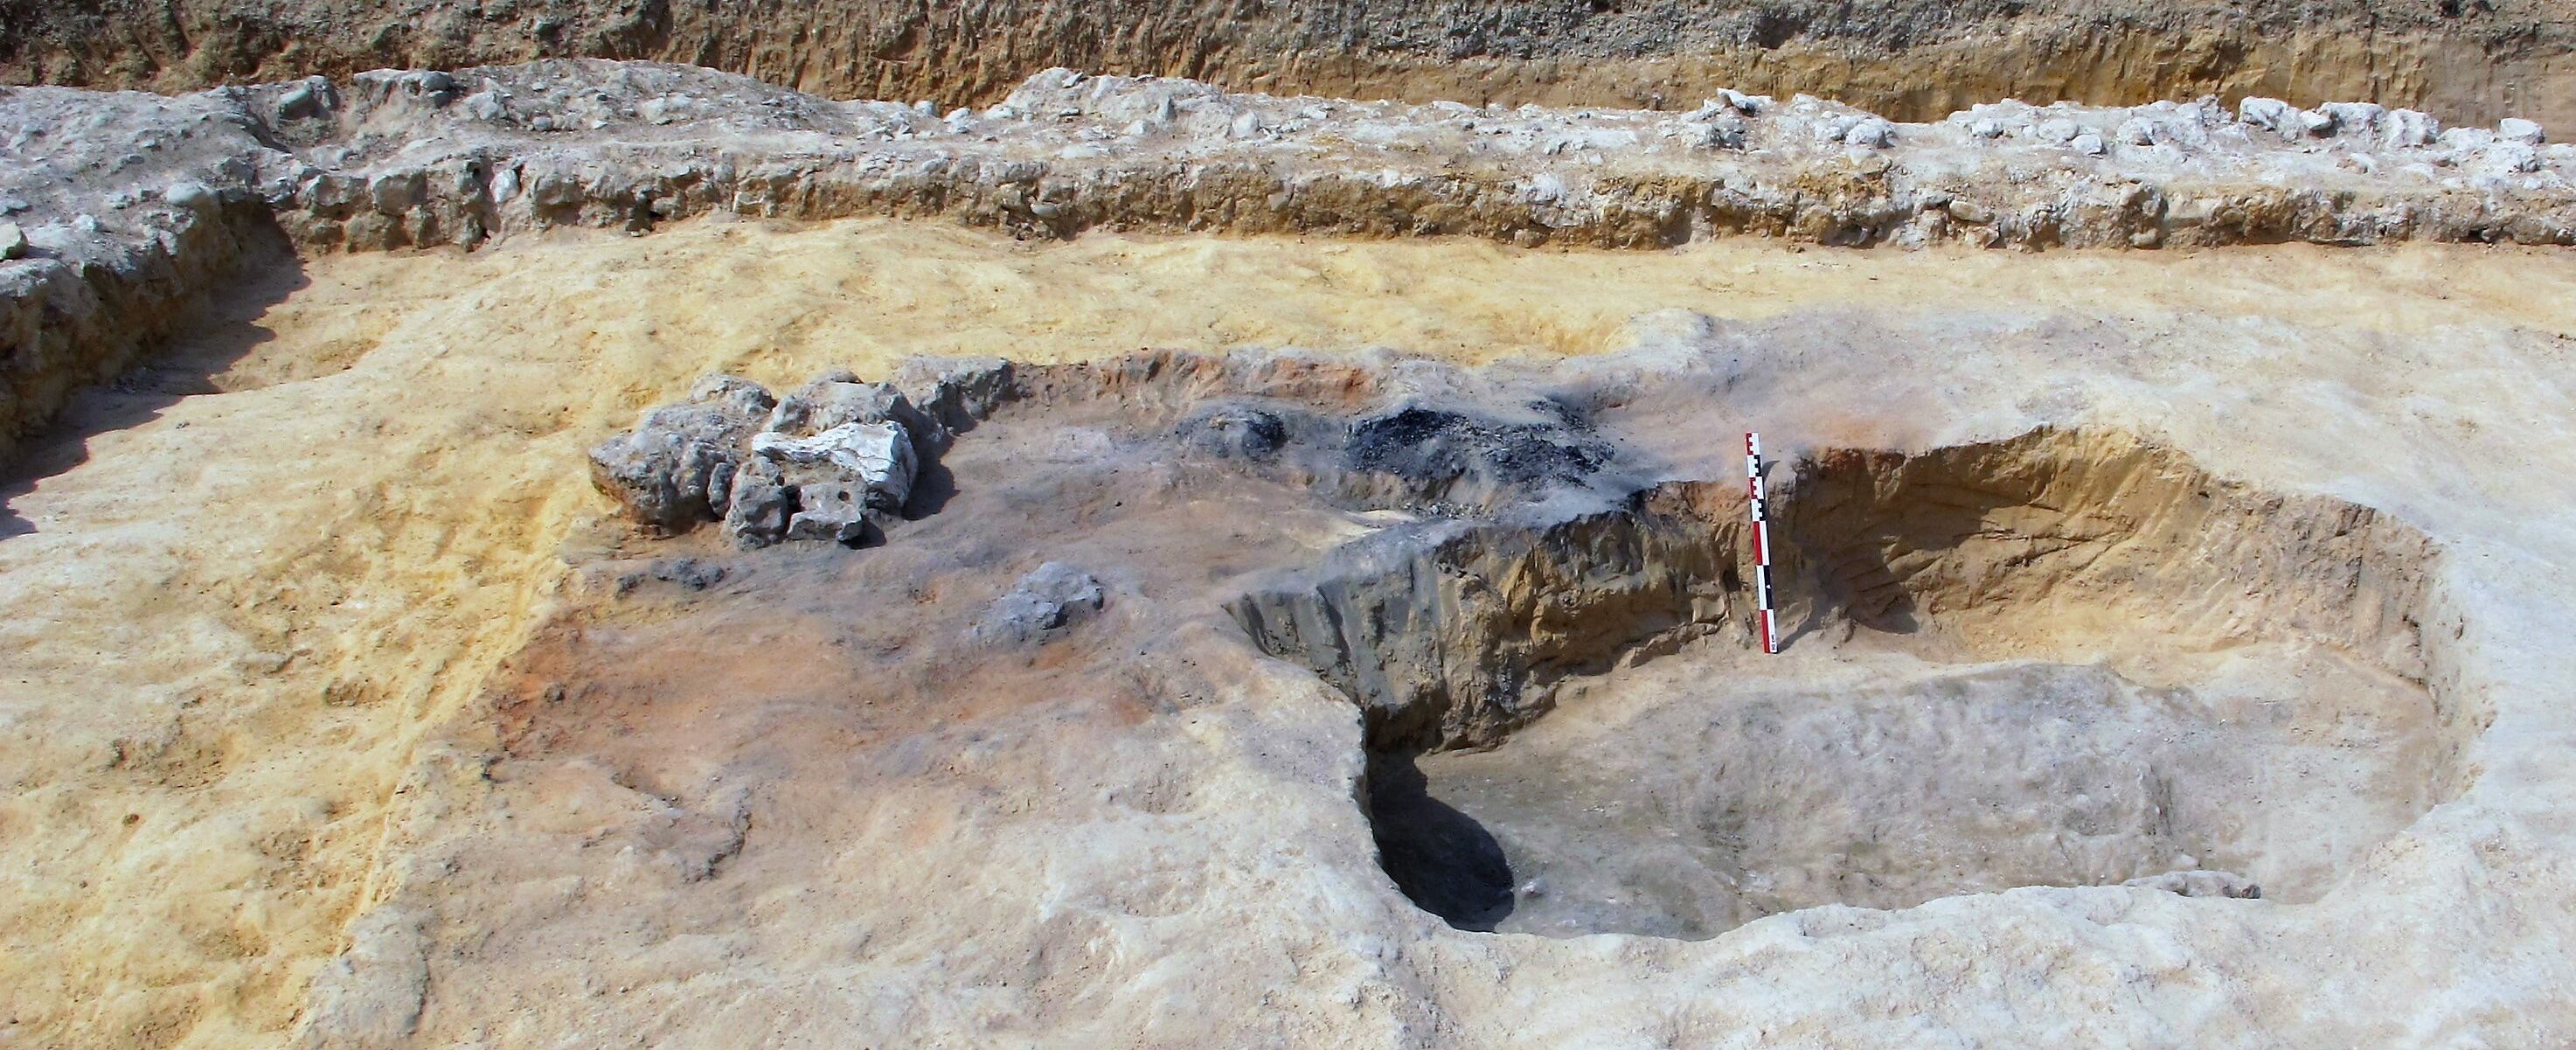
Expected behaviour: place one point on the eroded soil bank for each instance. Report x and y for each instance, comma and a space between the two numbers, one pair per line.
126, 209
1910, 59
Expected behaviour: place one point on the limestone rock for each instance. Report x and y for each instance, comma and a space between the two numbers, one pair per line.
311, 97
842, 484
1743, 103
676, 468
2200, 884
2280, 117
834, 460
2407, 127
2270, 113
1234, 430
760, 506
189, 194
875, 458
13, 241
838, 511
1723, 131
836, 400
1045, 603
2361, 120
486, 106
956, 392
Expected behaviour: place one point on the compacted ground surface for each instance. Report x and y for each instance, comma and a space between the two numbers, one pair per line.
2189, 669
1689, 796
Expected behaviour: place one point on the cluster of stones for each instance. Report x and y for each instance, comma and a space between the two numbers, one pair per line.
833, 460
2160, 131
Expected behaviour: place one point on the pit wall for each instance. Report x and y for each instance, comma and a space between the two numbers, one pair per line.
2089, 545
1908, 59
1068, 153
2059, 539
125, 229
1458, 641
71, 323
2054, 544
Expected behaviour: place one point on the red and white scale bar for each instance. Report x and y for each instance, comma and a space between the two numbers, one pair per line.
1761, 537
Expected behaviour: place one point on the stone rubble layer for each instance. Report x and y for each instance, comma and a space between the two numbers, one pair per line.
129, 205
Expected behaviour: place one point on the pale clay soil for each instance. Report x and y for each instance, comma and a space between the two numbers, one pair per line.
264, 587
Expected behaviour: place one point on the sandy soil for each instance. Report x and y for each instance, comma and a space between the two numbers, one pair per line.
256, 584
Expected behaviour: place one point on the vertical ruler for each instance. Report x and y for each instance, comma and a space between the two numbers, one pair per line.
1761, 537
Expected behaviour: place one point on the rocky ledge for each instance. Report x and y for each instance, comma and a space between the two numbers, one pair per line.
121, 206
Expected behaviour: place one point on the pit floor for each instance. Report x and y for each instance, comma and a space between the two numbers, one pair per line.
1702, 790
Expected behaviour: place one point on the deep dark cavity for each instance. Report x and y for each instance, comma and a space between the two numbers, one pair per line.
1441, 858
2059, 659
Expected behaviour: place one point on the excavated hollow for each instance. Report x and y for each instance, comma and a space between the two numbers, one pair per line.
2060, 659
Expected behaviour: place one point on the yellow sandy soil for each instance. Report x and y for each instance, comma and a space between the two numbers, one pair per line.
239, 614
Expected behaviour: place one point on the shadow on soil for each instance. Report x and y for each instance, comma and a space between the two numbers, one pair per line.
207, 339
1440, 857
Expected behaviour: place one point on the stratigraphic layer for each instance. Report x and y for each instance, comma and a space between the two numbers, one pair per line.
1915, 59
131, 202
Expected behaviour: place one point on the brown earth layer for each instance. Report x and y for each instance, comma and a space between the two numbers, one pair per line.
1908, 59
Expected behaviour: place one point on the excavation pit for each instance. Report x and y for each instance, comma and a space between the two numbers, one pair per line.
1693, 794
2061, 659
